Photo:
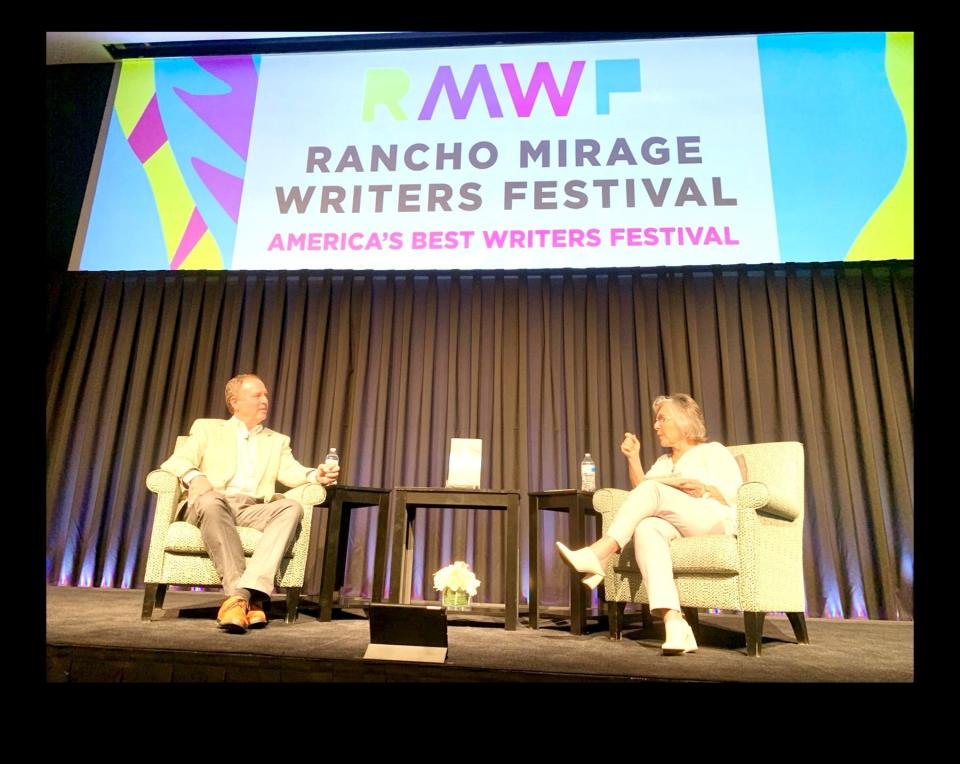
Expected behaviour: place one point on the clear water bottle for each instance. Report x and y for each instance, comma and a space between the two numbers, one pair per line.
588, 474
331, 459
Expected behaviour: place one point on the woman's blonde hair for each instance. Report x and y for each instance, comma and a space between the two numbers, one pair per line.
687, 413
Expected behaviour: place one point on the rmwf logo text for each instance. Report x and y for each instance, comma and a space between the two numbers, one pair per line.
387, 87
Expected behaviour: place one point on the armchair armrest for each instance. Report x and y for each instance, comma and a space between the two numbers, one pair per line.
167, 487
608, 500
161, 481
760, 498
308, 494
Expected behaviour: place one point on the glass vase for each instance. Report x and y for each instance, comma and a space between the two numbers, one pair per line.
456, 600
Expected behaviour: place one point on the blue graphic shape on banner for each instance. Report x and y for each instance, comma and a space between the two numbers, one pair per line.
190, 137
837, 144
124, 231
616, 76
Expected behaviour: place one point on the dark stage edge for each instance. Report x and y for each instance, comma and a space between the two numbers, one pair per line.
96, 635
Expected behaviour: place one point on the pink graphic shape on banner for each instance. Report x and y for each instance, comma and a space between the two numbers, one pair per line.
195, 229
226, 188
542, 78
229, 115
149, 134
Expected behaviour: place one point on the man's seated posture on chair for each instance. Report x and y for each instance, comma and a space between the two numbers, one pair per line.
230, 468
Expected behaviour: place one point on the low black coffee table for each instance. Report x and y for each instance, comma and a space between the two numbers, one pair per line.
409, 499
341, 499
578, 505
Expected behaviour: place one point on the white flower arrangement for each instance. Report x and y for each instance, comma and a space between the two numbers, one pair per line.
457, 578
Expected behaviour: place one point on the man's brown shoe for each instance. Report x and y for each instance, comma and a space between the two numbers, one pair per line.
233, 615
256, 617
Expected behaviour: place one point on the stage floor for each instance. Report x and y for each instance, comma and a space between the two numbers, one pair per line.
97, 635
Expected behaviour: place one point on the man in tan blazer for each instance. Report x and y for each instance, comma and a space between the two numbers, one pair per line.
231, 468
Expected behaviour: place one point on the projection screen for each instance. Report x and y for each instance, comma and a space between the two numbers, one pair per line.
692, 151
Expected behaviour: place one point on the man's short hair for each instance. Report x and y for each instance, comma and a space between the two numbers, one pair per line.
233, 388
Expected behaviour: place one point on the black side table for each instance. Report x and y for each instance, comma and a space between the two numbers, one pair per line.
405, 511
341, 499
578, 505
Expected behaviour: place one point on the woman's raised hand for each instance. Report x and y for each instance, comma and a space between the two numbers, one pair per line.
630, 447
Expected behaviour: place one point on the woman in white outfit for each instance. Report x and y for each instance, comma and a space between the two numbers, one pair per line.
689, 491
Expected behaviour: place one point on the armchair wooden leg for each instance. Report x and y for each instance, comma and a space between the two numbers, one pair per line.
615, 617
293, 599
601, 601
152, 597
753, 626
646, 617
692, 615
799, 624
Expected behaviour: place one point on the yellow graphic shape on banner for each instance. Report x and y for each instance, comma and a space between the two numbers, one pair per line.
204, 256
175, 204
176, 207
888, 235
134, 91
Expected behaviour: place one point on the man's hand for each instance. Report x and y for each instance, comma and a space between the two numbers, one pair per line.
630, 447
198, 486
327, 475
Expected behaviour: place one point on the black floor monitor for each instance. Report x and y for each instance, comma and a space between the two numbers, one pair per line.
407, 633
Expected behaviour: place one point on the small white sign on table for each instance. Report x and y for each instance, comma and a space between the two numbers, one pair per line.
463, 470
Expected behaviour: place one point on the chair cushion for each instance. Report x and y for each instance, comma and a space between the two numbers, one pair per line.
711, 555
705, 554
184, 538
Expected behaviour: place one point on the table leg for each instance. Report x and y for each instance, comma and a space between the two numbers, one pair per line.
578, 618
512, 561
406, 582
533, 565
330, 559
397, 547
380, 555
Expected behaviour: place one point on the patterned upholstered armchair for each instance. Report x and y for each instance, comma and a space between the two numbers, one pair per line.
759, 570
177, 554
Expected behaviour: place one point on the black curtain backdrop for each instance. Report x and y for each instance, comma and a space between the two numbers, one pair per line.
542, 366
